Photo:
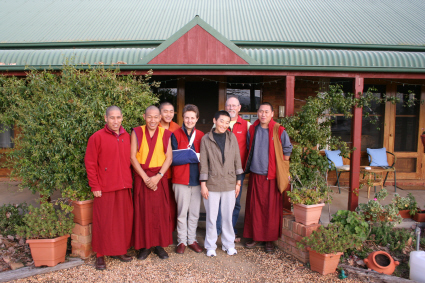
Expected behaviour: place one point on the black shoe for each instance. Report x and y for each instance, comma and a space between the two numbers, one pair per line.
143, 254
162, 254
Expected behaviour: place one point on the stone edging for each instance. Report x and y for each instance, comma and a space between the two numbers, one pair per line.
31, 271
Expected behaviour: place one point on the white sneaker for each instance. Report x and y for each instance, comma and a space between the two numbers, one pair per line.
211, 253
231, 251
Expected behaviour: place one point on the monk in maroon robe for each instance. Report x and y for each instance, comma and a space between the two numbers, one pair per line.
167, 114
108, 168
151, 156
264, 202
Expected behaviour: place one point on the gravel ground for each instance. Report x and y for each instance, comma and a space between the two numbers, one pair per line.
247, 266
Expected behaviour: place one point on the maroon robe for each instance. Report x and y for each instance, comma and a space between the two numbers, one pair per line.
263, 210
152, 220
112, 223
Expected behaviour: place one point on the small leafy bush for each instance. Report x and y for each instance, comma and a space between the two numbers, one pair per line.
375, 212
406, 203
10, 216
307, 196
332, 239
355, 223
46, 222
387, 236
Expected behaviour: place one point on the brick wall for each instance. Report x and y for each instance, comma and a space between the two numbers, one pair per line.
292, 233
81, 238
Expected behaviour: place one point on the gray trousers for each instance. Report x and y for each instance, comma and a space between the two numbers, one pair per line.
188, 200
211, 207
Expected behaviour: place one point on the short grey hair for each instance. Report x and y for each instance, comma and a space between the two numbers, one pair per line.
234, 98
112, 108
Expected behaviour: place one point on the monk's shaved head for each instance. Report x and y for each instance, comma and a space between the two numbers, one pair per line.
112, 108
152, 107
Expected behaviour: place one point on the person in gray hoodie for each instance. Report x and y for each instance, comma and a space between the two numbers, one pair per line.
220, 175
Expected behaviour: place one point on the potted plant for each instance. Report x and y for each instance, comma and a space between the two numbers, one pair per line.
308, 202
327, 244
375, 212
47, 231
407, 206
81, 199
419, 215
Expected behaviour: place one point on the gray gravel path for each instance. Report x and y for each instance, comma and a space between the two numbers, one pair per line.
246, 266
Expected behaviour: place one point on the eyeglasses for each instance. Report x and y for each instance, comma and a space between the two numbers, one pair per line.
232, 105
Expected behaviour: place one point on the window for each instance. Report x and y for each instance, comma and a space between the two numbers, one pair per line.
247, 90
6, 136
407, 119
372, 133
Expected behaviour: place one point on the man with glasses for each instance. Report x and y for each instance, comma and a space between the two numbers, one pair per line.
239, 127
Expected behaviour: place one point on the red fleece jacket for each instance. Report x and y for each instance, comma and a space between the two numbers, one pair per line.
107, 161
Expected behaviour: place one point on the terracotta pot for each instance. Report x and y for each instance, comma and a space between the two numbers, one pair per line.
324, 263
308, 214
419, 216
83, 211
405, 213
48, 252
381, 262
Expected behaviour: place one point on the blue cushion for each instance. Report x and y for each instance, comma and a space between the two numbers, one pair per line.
379, 156
335, 156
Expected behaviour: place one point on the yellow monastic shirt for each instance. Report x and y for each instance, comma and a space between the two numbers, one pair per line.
158, 156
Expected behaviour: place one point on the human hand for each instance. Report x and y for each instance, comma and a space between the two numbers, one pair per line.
237, 190
97, 194
204, 191
150, 184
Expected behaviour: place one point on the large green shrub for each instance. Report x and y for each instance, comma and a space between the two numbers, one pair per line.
57, 113
353, 222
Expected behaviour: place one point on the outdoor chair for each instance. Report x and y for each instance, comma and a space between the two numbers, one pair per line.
335, 158
378, 157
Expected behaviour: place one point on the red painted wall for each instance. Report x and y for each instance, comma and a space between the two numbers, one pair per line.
197, 46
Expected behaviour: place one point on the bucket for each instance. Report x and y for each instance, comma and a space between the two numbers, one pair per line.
417, 264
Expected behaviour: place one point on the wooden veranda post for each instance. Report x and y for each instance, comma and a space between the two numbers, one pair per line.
289, 111
356, 140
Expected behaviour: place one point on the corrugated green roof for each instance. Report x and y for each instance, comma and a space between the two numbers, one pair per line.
51, 57
338, 58
385, 22
273, 59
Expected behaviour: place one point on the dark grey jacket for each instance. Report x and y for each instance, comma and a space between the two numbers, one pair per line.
220, 177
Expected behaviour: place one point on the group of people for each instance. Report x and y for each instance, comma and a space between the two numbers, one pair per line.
142, 195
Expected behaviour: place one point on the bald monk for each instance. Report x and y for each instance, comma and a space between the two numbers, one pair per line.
167, 115
151, 156
108, 168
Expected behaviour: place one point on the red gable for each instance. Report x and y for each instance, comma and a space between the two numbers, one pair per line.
197, 46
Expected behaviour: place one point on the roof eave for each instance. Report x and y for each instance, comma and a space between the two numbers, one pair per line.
14, 68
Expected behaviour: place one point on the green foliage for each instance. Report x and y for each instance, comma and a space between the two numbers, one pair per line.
332, 239
47, 222
355, 223
386, 235
308, 196
10, 216
406, 203
56, 115
375, 212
